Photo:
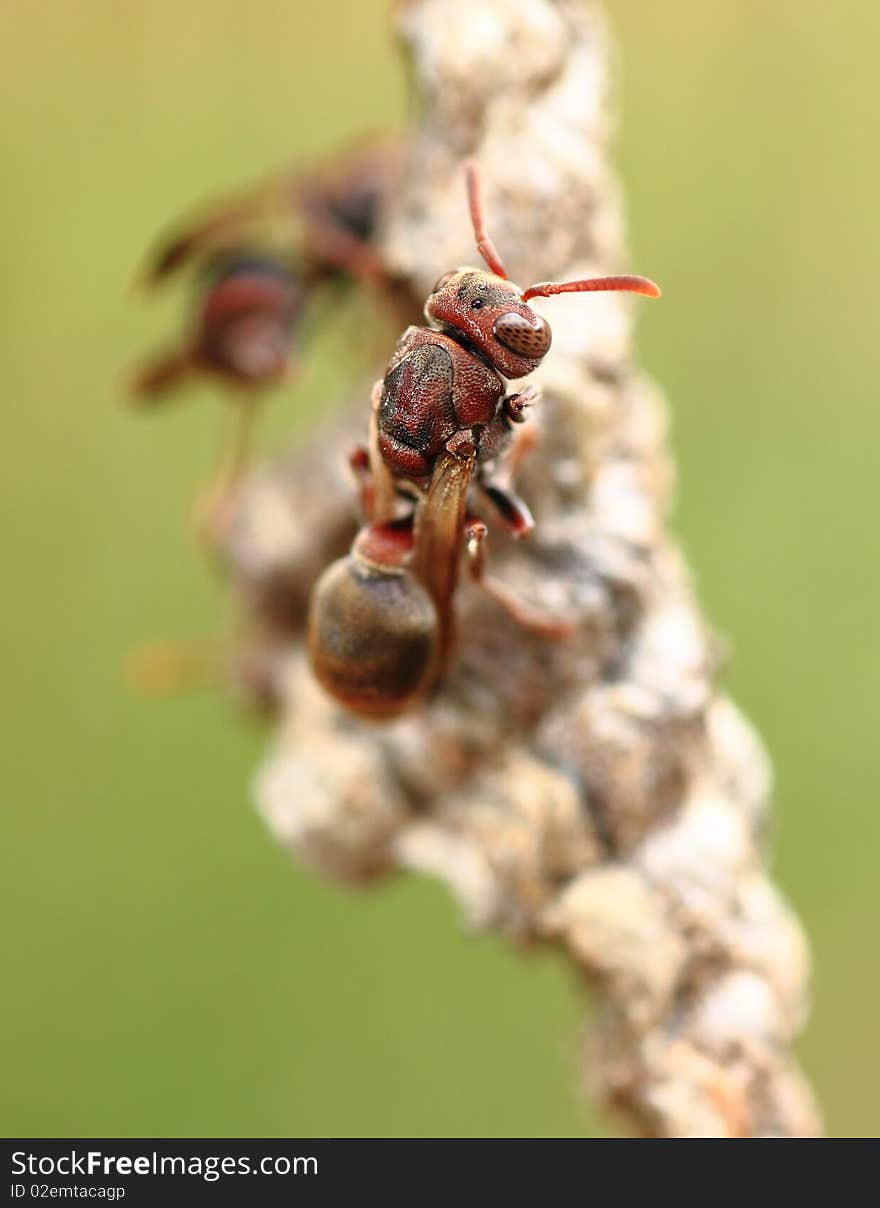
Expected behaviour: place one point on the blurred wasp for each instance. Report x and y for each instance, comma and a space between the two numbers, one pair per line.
259, 262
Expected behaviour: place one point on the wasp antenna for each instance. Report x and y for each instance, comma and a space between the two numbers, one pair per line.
627, 283
485, 246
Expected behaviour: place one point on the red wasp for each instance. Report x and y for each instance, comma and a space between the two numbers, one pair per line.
381, 619
260, 261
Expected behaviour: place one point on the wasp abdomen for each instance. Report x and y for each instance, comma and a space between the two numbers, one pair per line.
372, 636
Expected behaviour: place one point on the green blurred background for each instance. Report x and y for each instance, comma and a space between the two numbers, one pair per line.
167, 972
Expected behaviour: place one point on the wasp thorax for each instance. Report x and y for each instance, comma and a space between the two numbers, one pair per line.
372, 634
515, 332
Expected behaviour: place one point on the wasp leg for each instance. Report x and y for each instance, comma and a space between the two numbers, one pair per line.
405, 494
516, 405
214, 509
524, 440
536, 620
359, 463
506, 445
383, 495
513, 512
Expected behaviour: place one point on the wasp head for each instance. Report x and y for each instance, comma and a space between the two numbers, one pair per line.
488, 311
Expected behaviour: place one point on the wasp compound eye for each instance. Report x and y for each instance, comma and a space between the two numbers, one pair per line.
520, 336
